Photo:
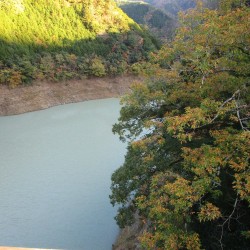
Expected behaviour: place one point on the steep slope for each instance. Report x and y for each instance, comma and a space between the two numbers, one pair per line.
160, 16
158, 22
43, 24
172, 6
67, 38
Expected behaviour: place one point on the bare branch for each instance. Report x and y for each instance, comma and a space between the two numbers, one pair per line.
245, 119
238, 114
227, 221
224, 103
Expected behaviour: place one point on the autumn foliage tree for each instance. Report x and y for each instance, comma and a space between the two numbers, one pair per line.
187, 168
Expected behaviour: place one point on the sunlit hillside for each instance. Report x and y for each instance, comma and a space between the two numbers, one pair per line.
67, 34
46, 23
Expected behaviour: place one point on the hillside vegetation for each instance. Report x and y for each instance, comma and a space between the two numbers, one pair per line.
157, 21
62, 39
170, 7
186, 172
175, 6
160, 16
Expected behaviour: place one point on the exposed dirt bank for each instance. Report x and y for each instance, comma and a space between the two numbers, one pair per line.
42, 95
128, 236
127, 239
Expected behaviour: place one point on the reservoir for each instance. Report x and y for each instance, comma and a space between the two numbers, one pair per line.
55, 169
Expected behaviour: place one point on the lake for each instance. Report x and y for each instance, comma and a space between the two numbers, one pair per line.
55, 174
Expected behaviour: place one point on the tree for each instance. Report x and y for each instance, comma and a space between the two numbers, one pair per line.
187, 167
97, 67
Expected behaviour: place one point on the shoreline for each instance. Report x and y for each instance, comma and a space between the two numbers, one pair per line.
43, 95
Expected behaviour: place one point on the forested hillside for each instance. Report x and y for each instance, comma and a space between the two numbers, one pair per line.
157, 21
62, 39
187, 171
173, 7
160, 16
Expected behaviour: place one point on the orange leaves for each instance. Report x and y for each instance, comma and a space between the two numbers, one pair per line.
178, 125
205, 158
168, 206
147, 240
11, 77
199, 108
193, 242
209, 212
235, 148
242, 185
235, 153
238, 166
170, 193
15, 79
139, 144
205, 163
183, 192
183, 126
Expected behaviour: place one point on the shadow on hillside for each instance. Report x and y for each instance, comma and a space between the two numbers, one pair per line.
102, 45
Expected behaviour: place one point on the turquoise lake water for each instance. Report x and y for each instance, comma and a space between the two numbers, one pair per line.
55, 169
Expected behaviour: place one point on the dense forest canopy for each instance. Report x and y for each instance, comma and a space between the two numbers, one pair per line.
173, 7
61, 39
160, 17
156, 20
186, 172
56, 23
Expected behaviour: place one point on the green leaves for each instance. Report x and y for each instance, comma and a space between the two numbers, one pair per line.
46, 34
193, 157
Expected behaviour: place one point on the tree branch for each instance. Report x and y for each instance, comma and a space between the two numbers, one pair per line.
227, 220
238, 114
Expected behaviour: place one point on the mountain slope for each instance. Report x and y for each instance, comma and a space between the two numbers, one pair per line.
172, 7
33, 24
160, 16
59, 39
159, 23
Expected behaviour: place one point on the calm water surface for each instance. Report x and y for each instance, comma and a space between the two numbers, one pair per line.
55, 176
